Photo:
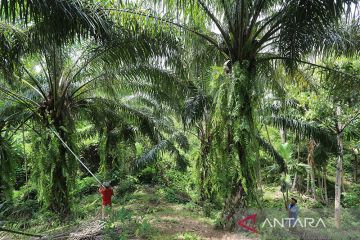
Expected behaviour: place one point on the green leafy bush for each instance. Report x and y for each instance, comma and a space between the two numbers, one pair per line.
145, 230
177, 187
147, 175
208, 207
122, 225
127, 185
351, 197
85, 186
173, 196
28, 192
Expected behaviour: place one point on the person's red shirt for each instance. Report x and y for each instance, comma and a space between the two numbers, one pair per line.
106, 194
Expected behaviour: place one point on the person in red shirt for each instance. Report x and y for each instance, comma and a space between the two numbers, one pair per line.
106, 192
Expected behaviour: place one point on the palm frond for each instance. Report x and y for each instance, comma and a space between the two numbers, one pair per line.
195, 108
7, 163
304, 129
166, 145
339, 39
302, 22
12, 44
59, 21
273, 153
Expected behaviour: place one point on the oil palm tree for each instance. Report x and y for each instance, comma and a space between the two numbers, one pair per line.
341, 95
251, 33
8, 155
136, 115
69, 84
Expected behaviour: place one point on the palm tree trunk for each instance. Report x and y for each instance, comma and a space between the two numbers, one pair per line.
293, 187
307, 182
59, 202
242, 140
282, 128
25, 160
204, 167
313, 186
107, 151
6, 171
283, 134
311, 148
339, 168
109, 159
356, 165
325, 184
321, 186
283, 140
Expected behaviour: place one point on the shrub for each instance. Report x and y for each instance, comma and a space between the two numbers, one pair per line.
351, 197
28, 193
85, 186
145, 230
127, 185
147, 175
174, 196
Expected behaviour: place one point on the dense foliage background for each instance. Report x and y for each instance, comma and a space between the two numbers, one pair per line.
214, 106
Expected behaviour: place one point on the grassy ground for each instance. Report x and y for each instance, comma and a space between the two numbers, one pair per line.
146, 213
153, 212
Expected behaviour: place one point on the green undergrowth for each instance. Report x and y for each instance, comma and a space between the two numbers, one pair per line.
140, 211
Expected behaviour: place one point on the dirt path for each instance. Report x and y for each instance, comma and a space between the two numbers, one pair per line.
169, 221
177, 221
178, 225
168, 226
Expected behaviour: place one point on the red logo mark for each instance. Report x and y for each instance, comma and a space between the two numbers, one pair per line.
252, 218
